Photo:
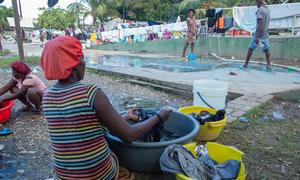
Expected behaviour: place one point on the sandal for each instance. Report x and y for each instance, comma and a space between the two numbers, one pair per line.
5, 132
243, 67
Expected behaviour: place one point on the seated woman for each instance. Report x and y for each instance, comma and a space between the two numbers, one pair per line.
79, 115
25, 86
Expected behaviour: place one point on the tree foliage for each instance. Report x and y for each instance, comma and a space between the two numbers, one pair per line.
98, 9
55, 18
4, 13
151, 10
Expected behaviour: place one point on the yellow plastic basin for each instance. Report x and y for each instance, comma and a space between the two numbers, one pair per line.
210, 130
220, 154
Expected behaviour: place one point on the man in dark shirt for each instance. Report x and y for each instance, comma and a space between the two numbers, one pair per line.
261, 35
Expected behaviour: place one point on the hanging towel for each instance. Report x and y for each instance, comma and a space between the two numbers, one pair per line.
228, 22
219, 13
211, 22
210, 13
282, 16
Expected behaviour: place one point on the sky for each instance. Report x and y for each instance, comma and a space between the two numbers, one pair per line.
30, 7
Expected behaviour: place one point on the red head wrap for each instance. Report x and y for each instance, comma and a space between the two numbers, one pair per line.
60, 56
20, 67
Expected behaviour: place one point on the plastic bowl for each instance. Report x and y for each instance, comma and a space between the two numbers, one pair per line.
144, 157
5, 111
210, 130
220, 153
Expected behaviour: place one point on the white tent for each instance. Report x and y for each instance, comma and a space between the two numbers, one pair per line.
25, 22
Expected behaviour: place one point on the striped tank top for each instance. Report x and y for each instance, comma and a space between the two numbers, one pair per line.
79, 148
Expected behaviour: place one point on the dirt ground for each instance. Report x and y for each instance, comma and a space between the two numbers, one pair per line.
27, 153
271, 147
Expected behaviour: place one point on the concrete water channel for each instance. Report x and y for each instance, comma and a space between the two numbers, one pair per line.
180, 75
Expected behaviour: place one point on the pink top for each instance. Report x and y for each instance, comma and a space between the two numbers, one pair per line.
31, 80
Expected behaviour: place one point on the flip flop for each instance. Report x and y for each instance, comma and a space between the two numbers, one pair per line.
267, 69
5, 132
242, 67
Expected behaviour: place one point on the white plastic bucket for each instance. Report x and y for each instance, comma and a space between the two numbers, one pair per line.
213, 92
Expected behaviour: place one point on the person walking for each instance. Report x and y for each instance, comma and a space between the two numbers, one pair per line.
261, 35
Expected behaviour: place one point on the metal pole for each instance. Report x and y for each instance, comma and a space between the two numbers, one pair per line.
123, 4
20, 7
18, 29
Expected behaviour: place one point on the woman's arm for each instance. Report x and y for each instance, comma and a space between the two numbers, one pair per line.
115, 122
11, 83
19, 93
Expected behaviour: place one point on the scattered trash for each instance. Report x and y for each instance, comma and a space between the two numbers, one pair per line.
8, 168
27, 152
1, 147
291, 69
277, 116
169, 108
268, 148
244, 119
283, 169
241, 127
265, 118
232, 74
20, 171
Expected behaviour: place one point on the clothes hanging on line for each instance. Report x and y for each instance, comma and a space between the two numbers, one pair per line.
210, 13
211, 22
220, 23
228, 22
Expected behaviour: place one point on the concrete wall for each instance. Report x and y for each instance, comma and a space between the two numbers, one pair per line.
281, 47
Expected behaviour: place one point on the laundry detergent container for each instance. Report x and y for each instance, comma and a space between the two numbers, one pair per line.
5, 111
220, 154
144, 156
210, 130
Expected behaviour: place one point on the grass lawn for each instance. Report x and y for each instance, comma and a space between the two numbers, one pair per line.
5, 62
272, 148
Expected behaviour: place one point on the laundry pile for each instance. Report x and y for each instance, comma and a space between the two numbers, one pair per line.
204, 116
158, 132
177, 159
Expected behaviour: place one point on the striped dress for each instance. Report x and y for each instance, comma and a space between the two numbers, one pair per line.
79, 148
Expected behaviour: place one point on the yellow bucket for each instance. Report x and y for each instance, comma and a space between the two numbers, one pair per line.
220, 154
210, 130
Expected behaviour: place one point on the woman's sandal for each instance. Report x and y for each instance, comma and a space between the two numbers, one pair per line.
5, 132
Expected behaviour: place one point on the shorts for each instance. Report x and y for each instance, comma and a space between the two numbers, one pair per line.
263, 42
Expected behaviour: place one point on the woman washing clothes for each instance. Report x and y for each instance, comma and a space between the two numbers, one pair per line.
24, 86
191, 36
79, 115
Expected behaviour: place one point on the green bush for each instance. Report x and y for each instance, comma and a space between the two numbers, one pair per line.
5, 52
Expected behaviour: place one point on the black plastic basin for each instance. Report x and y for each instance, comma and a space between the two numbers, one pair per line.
144, 157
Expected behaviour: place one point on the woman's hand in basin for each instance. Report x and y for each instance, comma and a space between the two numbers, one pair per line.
133, 115
164, 114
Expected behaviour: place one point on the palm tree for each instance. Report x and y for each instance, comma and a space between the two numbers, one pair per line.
96, 8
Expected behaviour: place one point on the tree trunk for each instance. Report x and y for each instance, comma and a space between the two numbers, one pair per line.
1, 48
1, 43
